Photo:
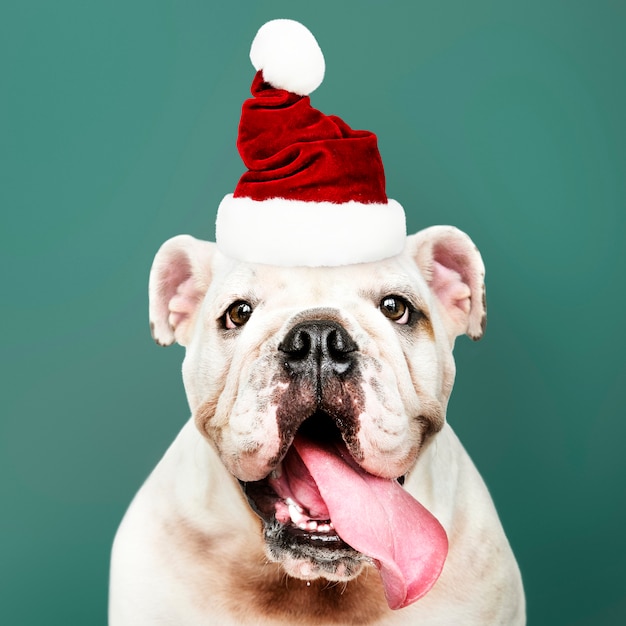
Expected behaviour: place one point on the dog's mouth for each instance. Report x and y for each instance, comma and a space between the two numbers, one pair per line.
289, 496
320, 506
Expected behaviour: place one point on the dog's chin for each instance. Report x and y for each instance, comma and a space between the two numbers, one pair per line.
309, 555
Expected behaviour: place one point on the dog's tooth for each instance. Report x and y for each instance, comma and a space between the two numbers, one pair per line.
295, 512
323, 528
311, 525
292, 503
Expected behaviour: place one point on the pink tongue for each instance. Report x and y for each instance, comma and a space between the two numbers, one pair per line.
377, 517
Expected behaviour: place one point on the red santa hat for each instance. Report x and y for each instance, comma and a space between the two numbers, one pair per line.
314, 193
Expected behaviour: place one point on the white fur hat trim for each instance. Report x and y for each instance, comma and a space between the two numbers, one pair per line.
294, 233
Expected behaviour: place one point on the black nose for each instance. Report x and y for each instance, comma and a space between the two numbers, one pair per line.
318, 347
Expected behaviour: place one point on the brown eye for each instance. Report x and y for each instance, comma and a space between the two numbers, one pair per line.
396, 309
237, 314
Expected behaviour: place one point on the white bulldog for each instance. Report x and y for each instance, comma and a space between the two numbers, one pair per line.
317, 481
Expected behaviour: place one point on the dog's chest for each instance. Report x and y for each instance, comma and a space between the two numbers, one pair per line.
285, 600
234, 579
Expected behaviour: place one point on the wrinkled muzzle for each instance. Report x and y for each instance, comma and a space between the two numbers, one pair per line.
322, 512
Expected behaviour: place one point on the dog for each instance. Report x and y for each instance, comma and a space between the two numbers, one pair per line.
317, 481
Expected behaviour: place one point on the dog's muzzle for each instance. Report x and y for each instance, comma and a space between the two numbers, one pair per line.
319, 363
323, 513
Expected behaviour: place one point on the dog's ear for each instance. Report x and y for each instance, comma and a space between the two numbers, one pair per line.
179, 279
454, 270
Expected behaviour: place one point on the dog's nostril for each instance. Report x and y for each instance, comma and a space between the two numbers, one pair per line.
334, 342
299, 346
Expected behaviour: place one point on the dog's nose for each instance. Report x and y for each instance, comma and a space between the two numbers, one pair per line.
318, 347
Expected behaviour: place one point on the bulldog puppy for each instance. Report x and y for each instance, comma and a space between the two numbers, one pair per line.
317, 481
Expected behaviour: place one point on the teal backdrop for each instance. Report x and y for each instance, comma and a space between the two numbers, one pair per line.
117, 130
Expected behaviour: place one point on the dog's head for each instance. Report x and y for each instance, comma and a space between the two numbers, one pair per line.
292, 370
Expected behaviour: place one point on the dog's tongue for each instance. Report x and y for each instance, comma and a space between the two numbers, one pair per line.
377, 517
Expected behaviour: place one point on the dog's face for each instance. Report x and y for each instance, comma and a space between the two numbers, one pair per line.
356, 358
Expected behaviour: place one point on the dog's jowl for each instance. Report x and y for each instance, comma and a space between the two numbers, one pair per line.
317, 481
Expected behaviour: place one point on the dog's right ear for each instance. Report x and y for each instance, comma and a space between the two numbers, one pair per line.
179, 279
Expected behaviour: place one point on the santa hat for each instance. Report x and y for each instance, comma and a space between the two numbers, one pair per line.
314, 193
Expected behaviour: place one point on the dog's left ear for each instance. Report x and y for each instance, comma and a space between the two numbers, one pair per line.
179, 279
454, 270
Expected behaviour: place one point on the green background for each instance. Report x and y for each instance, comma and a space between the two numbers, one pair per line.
117, 131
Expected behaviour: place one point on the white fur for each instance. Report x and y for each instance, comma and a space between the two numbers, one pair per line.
190, 550
289, 56
312, 234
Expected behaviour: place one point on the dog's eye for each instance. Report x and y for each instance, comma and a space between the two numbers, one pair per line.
396, 309
237, 314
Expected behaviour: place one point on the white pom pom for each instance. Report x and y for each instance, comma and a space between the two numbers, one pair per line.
289, 56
